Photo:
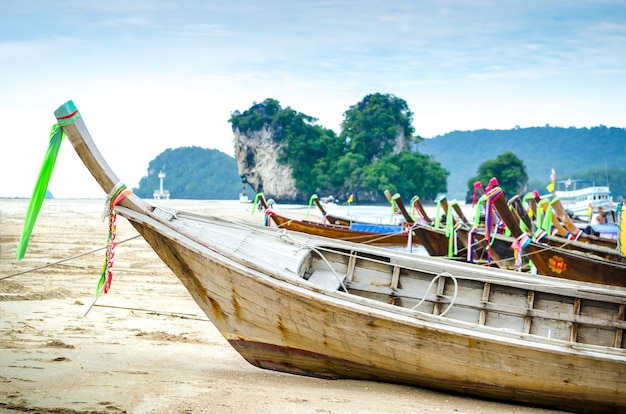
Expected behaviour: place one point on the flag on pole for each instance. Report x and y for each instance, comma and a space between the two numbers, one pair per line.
351, 198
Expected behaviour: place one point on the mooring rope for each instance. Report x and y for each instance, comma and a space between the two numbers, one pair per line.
66, 259
180, 315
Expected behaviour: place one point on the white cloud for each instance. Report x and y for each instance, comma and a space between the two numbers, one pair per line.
151, 75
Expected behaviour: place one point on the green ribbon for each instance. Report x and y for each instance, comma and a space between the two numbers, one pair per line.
313, 197
393, 208
547, 218
450, 230
540, 216
481, 200
413, 201
438, 212
39, 194
256, 202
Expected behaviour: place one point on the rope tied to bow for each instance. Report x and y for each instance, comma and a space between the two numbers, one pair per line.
117, 194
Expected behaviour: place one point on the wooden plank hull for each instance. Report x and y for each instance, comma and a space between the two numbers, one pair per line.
340, 232
303, 330
307, 305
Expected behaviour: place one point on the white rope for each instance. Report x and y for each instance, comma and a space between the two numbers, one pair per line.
432, 282
286, 237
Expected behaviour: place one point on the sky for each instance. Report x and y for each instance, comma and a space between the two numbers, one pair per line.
148, 75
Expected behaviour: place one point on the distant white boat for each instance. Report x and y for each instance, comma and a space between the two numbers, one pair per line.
583, 197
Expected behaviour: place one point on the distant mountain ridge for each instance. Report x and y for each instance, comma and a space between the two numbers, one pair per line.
199, 173
567, 150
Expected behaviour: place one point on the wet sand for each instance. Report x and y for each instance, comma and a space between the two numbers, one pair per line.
145, 347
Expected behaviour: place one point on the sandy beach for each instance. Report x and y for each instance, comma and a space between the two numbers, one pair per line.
145, 347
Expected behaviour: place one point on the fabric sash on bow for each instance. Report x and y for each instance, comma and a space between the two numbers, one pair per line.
56, 137
477, 186
470, 236
438, 212
526, 204
409, 230
518, 247
491, 221
416, 214
393, 209
313, 197
451, 231
117, 194
267, 211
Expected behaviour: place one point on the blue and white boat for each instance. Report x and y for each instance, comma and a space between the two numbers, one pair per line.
581, 198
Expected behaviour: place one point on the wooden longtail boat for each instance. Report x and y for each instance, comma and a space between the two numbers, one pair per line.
436, 241
335, 219
570, 259
561, 221
330, 218
578, 233
496, 251
586, 247
450, 243
373, 234
296, 303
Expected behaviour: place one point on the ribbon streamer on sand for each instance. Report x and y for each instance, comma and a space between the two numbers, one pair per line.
119, 192
56, 137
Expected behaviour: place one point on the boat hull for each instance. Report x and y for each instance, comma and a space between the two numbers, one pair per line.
280, 300
283, 327
340, 232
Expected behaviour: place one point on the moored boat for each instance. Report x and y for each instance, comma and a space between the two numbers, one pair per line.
306, 305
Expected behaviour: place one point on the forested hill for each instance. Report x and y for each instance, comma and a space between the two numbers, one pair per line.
192, 173
199, 173
569, 151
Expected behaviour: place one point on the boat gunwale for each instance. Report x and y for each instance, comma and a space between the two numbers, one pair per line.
415, 318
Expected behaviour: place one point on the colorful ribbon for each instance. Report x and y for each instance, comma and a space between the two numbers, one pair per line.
313, 197
470, 244
409, 246
621, 226
41, 187
492, 221
539, 235
267, 211
438, 211
415, 211
119, 192
451, 231
518, 246
477, 185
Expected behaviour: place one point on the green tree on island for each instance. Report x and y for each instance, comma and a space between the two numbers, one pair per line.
377, 133
370, 155
509, 171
